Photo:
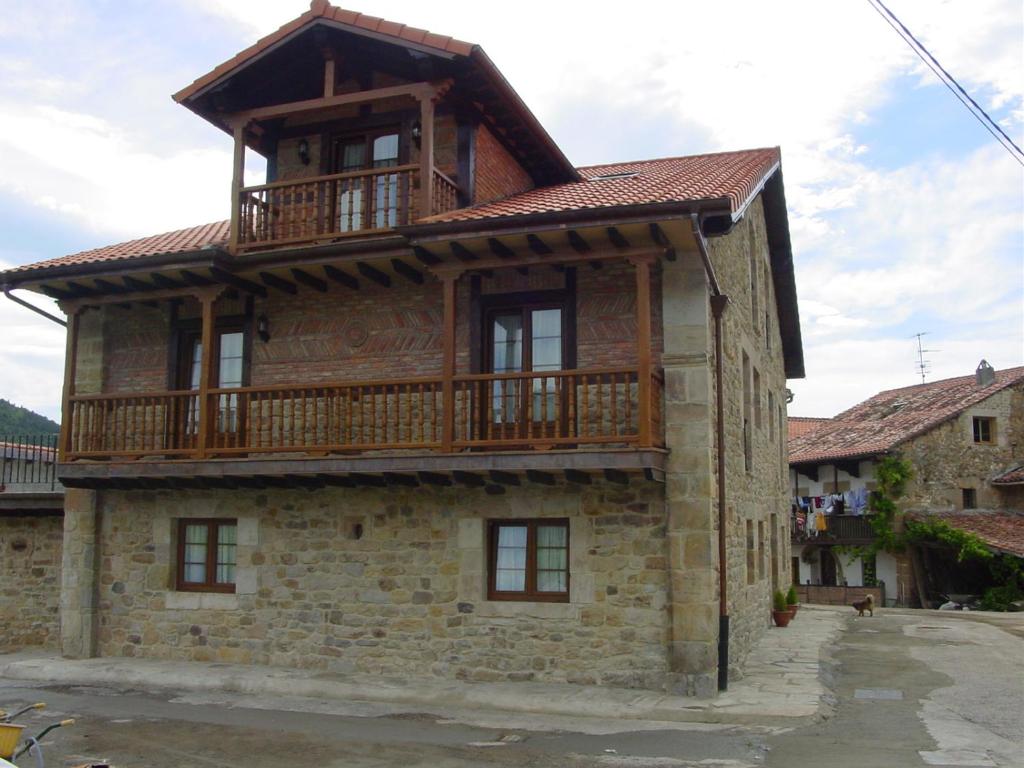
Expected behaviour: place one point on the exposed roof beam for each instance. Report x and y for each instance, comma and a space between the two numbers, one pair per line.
426, 257
164, 281
287, 286
373, 273
538, 246
617, 238
406, 271
308, 280
341, 277
412, 90
541, 478
499, 248
578, 243
462, 253
238, 282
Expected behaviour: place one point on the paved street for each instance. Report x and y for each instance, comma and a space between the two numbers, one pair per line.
901, 689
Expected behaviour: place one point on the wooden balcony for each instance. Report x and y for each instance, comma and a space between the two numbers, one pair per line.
841, 529
485, 412
339, 205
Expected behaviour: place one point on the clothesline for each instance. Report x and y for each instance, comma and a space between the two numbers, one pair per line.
812, 512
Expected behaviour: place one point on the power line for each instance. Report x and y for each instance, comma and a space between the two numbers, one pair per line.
949, 81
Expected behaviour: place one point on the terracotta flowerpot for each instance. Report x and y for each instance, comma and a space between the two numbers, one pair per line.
792, 607
781, 618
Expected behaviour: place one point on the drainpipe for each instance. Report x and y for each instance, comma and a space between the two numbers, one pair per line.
7, 292
719, 301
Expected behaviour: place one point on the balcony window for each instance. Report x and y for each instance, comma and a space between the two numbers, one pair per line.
529, 560
231, 359
367, 201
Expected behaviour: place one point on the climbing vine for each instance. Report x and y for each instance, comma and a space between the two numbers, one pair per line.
892, 473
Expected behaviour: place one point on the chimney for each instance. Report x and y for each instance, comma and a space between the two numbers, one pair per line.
985, 374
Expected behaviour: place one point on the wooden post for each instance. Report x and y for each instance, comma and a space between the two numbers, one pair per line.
449, 282
426, 156
206, 371
643, 346
328, 73
237, 176
70, 371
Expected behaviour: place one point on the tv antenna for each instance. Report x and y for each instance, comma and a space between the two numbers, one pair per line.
923, 365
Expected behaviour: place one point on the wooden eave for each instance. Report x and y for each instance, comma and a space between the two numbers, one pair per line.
488, 471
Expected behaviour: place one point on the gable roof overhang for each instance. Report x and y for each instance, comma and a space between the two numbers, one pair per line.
479, 84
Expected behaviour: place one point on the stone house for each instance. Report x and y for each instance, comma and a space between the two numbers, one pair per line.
433, 401
962, 437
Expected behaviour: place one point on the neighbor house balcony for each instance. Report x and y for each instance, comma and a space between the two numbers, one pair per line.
329, 207
28, 475
841, 529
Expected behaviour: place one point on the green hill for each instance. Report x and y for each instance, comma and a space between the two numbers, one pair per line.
16, 421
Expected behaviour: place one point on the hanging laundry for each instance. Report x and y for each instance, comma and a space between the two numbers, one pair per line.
812, 522
820, 524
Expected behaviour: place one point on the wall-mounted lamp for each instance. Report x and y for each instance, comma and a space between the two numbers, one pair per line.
304, 151
417, 132
263, 328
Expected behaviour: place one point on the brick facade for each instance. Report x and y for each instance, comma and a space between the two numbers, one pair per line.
497, 174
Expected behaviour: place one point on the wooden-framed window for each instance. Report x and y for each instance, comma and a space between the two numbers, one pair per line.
528, 560
984, 429
207, 554
969, 498
751, 552
375, 201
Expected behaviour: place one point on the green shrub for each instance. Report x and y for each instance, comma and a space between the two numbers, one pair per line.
779, 600
1001, 598
791, 595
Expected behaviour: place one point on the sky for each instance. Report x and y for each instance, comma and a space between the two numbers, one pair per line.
906, 217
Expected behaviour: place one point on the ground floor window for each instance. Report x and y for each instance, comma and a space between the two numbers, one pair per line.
528, 560
206, 555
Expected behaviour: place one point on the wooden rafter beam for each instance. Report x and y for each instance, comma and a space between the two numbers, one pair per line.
566, 257
539, 477
272, 280
499, 248
577, 242
372, 273
462, 253
617, 238
228, 278
344, 278
131, 284
412, 90
470, 479
408, 272
163, 281
577, 477
425, 257
616, 476
308, 280
197, 280
504, 478
434, 478
538, 246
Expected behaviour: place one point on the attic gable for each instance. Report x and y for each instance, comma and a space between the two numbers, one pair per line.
288, 66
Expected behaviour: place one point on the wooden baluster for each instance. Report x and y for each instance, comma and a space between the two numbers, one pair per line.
628, 421
614, 380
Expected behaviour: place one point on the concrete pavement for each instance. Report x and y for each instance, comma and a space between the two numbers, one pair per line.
781, 684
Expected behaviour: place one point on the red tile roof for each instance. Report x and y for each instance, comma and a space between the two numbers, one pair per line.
1001, 530
1014, 477
734, 176
179, 241
882, 422
321, 9
801, 425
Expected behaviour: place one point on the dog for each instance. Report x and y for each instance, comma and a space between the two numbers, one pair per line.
867, 604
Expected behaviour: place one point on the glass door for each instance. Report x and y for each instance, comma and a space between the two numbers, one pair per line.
523, 340
230, 362
370, 201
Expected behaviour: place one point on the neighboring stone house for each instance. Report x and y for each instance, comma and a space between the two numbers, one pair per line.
433, 401
963, 438
31, 534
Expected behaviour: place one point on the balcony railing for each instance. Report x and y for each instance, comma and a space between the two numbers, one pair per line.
851, 528
28, 463
337, 205
564, 409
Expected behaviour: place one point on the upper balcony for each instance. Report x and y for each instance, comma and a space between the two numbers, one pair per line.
840, 529
28, 475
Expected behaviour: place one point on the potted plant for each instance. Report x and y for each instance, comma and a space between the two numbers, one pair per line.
791, 601
780, 615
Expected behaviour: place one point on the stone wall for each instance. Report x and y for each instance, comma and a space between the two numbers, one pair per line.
30, 579
946, 459
407, 598
756, 491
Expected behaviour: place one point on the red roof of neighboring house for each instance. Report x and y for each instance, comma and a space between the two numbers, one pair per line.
321, 9
882, 422
801, 425
1001, 530
732, 176
724, 175
1014, 477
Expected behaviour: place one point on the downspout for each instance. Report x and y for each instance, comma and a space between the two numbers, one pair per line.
719, 301
7, 292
